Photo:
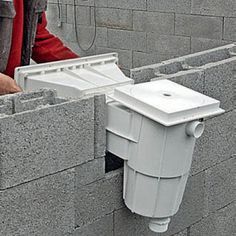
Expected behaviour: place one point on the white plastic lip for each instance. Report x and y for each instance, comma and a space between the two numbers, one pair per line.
166, 102
104, 58
81, 76
68, 66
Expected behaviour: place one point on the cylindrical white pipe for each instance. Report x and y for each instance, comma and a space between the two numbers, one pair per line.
159, 225
195, 129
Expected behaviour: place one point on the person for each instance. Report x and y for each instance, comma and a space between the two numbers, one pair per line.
24, 35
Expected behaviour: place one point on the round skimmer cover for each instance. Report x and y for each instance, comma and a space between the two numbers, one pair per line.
166, 102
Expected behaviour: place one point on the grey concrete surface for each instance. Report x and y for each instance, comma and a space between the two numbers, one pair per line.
40, 207
45, 140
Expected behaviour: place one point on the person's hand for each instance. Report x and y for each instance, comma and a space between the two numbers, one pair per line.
8, 85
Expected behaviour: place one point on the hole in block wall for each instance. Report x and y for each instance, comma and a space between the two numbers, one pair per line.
112, 162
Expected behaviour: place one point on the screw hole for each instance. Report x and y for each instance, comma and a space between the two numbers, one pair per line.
167, 94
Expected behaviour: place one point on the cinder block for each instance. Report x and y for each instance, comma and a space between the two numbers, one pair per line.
169, 67
159, 22
66, 32
126, 72
191, 209
85, 3
90, 172
101, 3
75, 47
143, 59
127, 223
169, 45
217, 143
230, 28
214, 7
99, 198
220, 185
83, 15
102, 227
183, 233
181, 6
184, 63
44, 141
220, 223
85, 35
114, 18
101, 38
220, 82
33, 100
208, 56
125, 56
61, 1
201, 44
52, 12
193, 79
6, 105
40, 207
130, 40
99, 125
199, 26
142, 74
128, 4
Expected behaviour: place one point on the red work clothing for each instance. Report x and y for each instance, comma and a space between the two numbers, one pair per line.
47, 47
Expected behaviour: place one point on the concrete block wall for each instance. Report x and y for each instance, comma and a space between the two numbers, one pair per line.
146, 31
52, 167
208, 206
50, 147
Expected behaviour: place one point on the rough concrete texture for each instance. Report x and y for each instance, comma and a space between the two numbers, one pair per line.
220, 82
193, 79
170, 45
182, 6
98, 198
45, 140
102, 226
114, 18
192, 61
220, 223
156, 30
198, 26
229, 28
214, 8
6, 105
41, 207
90, 172
30, 101
126, 223
220, 185
159, 22
99, 125
217, 142
201, 44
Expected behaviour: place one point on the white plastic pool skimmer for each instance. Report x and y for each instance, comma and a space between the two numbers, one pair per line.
152, 126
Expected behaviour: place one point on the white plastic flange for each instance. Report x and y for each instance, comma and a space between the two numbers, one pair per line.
195, 129
159, 225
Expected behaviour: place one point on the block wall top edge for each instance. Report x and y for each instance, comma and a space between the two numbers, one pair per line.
227, 49
27, 102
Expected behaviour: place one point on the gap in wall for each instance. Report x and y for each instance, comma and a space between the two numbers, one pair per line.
112, 162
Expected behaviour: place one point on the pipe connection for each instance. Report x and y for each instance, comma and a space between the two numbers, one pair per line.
195, 129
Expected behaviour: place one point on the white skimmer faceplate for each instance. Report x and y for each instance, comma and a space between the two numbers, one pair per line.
75, 77
166, 102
